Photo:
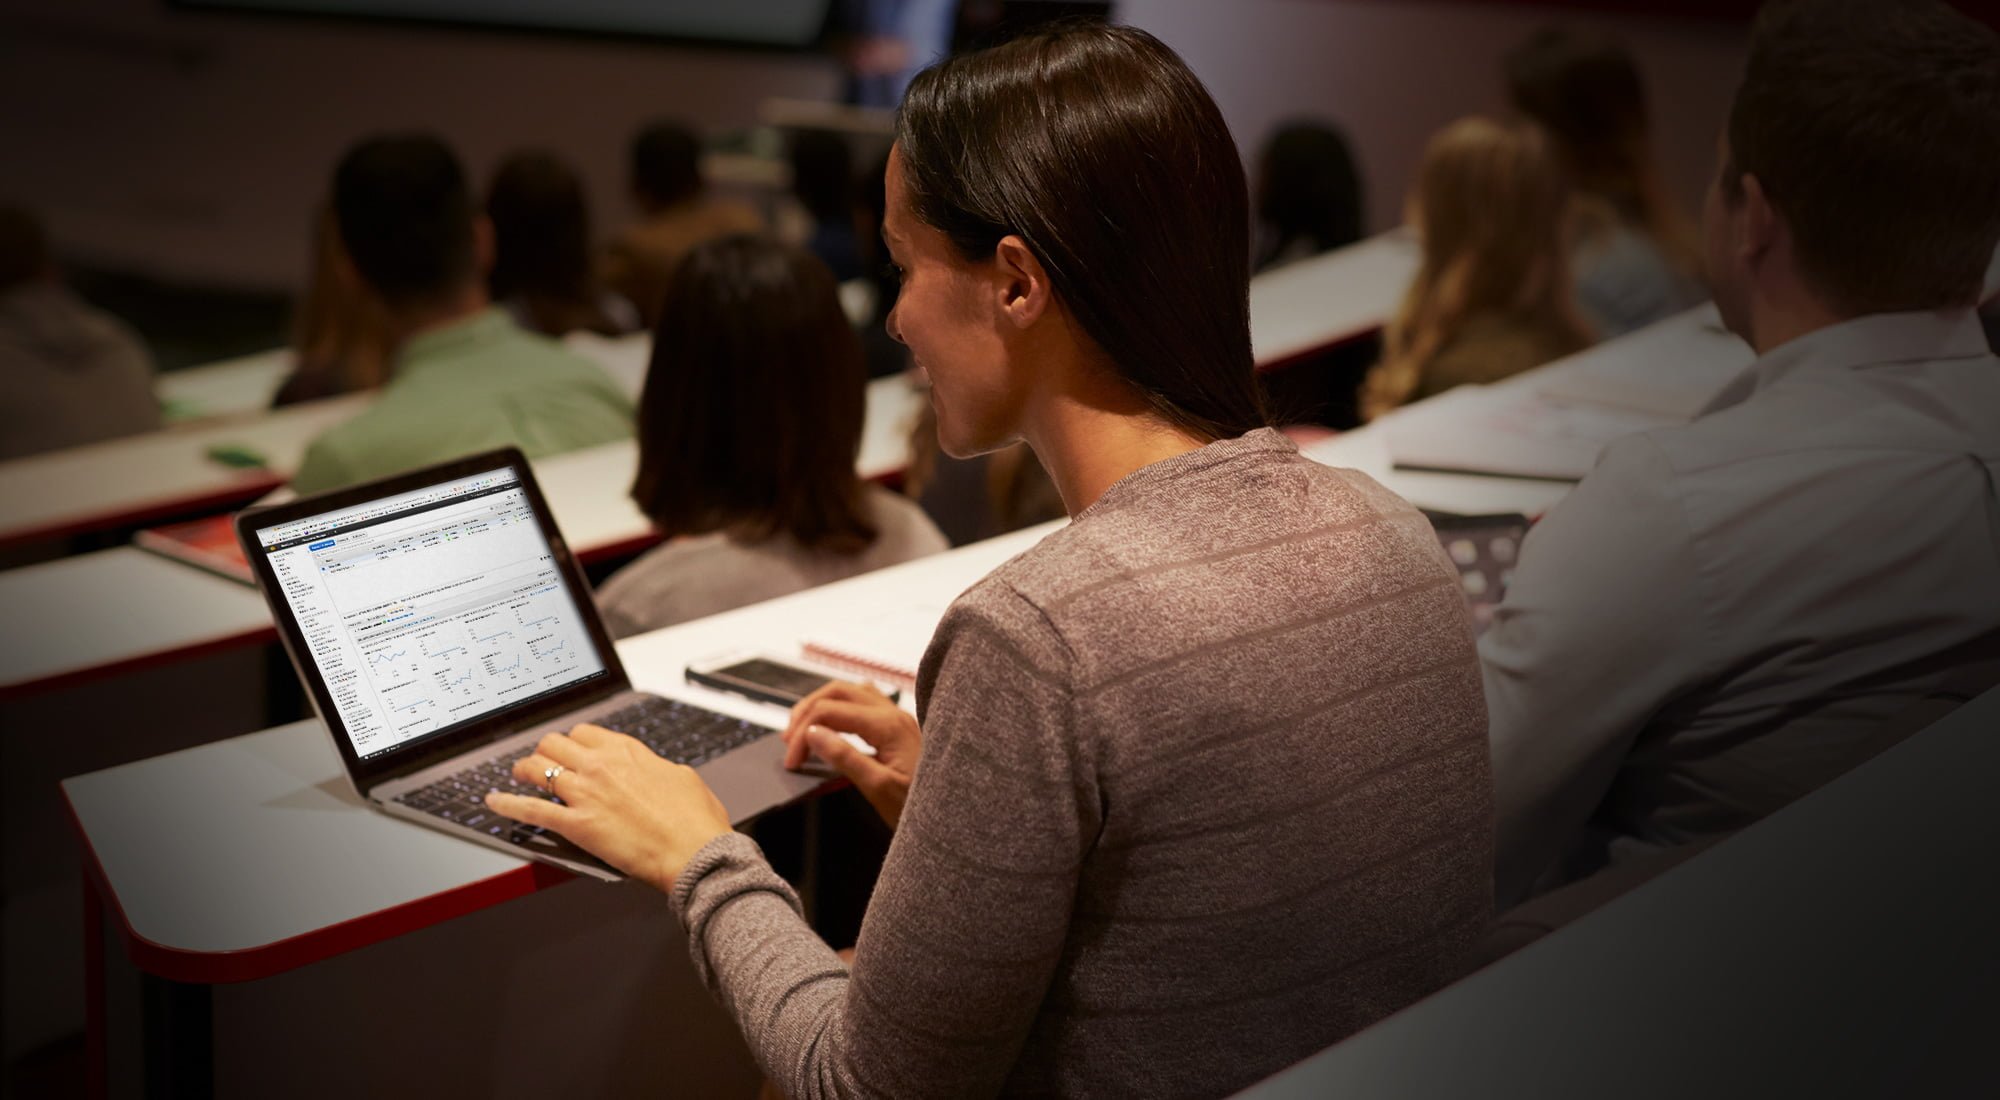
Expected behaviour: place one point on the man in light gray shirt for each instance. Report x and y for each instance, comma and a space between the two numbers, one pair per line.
1726, 615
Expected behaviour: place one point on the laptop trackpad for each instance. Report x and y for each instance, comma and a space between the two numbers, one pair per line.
753, 779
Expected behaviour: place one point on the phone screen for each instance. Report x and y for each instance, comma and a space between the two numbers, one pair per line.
785, 679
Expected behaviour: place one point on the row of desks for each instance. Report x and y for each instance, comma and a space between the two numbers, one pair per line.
117, 609
655, 660
1313, 304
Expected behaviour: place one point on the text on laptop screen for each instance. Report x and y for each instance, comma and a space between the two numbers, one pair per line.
430, 609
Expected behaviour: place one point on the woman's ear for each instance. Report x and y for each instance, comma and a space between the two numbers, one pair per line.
1024, 288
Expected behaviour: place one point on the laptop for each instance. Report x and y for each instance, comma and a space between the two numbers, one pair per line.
442, 628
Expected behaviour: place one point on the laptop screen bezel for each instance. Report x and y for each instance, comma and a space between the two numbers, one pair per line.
434, 748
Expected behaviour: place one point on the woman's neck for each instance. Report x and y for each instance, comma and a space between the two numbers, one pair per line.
1089, 446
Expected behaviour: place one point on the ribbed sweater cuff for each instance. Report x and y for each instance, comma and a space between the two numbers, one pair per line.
729, 867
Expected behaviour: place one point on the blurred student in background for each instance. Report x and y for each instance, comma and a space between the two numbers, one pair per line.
1492, 295
69, 372
542, 266
1635, 257
1308, 195
463, 376
823, 183
749, 428
1308, 201
676, 214
340, 335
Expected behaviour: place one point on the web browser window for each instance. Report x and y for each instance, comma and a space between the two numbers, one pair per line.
431, 609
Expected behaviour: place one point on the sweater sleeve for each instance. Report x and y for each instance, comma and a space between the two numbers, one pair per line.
969, 919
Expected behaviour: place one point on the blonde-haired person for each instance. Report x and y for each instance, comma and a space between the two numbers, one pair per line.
1492, 294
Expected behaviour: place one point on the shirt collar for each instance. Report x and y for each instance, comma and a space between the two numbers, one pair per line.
1874, 340
455, 338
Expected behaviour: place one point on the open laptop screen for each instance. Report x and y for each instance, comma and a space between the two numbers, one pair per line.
430, 609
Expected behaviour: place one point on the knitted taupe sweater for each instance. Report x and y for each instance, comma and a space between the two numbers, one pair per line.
1203, 790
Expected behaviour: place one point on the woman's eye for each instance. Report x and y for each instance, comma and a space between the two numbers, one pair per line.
893, 271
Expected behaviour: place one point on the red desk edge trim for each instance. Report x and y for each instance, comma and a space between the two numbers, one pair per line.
74, 677
1299, 355
251, 963
250, 488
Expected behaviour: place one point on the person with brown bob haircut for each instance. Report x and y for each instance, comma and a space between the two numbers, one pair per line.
1725, 615
748, 430
1198, 784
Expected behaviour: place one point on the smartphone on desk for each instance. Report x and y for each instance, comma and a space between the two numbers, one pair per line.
765, 679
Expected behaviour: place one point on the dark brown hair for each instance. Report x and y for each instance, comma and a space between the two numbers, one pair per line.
1098, 148
541, 244
24, 247
1874, 130
1585, 91
405, 217
751, 417
666, 163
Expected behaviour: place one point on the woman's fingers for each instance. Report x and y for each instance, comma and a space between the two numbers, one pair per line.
591, 736
562, 749
532, 811
880, 724
883, 787
836, 690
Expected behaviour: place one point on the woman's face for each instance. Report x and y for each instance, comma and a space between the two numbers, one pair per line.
950, 314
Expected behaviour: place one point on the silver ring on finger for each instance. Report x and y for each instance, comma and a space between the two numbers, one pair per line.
550, 776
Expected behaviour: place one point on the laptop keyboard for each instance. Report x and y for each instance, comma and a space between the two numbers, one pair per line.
681, 732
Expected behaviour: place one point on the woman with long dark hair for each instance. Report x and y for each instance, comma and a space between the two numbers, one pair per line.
1198, 785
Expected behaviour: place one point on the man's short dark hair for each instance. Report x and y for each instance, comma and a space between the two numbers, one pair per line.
666, 163
405, 215
24, 248
1874, 130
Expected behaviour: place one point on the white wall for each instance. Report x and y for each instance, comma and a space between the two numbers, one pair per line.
194, 145
1392, 72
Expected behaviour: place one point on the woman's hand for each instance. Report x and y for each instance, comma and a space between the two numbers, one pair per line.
621, 802
820, 718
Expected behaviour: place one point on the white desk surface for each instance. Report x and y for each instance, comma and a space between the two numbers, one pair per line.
1367, 450
1330, 298
115, 607
112, 608
248, 843
128, 480
228, 387
1554, 421
1842, 947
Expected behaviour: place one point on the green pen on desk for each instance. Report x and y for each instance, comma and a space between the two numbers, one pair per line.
237, 456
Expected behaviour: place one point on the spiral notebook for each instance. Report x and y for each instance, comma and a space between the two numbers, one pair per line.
887, 645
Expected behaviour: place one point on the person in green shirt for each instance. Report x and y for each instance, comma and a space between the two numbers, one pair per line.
465, 377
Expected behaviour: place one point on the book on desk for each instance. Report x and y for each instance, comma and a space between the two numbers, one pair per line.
208, 543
